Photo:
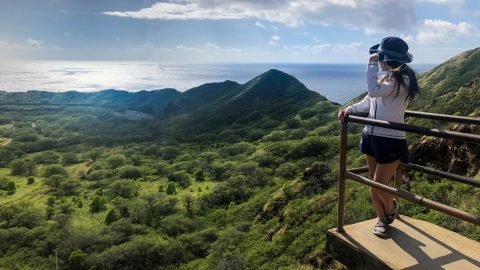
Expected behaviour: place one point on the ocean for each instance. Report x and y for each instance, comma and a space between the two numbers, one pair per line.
337, 82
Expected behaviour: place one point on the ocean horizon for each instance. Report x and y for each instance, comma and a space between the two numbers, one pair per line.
337, 82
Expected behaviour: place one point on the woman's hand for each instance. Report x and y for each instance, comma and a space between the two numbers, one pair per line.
341, 115
373, 57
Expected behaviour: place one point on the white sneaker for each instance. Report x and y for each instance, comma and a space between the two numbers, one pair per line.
381, 228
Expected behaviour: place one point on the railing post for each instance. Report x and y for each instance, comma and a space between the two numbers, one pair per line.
341, 176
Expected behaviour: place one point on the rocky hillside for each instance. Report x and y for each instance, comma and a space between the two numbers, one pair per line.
452, 88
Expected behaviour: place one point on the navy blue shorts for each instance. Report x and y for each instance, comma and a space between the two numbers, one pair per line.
383, 149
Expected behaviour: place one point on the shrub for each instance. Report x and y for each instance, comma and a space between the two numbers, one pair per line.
287, 170
170, 152
97, 204
68, 188
199, 175
77, 260
116, 161
55, 180
181, 177
123, 188
310, 147
111, 216
69, 158
30, 180
161, 168
54, 170
130, 172
47, 157
171, 189
10, 187
18, 167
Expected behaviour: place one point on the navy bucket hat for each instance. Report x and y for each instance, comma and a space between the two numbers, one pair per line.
392, 49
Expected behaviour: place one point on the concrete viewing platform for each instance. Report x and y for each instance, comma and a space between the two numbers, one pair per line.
411, 244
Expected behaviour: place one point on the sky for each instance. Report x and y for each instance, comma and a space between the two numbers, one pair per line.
223, 31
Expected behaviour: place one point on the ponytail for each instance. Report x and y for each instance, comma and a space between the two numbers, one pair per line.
400, 69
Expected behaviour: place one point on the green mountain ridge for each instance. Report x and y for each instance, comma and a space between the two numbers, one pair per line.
273, 95
447, 79
213, 182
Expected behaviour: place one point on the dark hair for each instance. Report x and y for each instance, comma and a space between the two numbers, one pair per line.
404, 69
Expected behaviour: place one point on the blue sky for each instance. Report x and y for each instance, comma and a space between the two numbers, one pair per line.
329, 31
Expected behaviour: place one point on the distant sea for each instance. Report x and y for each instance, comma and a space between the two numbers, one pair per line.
338, 82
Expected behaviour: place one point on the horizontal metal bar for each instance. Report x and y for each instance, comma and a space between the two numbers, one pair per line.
455, 177
416, 198
471, 138
416, 167
359, 170
444, 117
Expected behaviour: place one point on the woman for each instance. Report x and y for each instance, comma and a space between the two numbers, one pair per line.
386, 100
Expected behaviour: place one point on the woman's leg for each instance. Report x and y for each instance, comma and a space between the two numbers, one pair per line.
383, 175
376, 202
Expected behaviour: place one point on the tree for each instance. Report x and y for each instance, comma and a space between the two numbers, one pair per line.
68, 188
97, 204
93, 155
55, 180
6, 155
123, 188
310, 147
130, 172
30, 180
171, 188
170, 152
153, 151
181, 177
136, 160
287, 170
77, 260
111, 216
54, 170
69, 158
116, 161
199, 175
188, 202
22, 167
10, 187
161, 168
47, 157
18, 167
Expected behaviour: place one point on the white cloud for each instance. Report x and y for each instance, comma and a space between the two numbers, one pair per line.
32, 42
276, 37
367, 14
3, 43
407, 38
211, 46
272, 43
439, 31
259, 24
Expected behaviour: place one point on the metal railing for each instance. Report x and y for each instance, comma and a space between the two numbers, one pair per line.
353, 174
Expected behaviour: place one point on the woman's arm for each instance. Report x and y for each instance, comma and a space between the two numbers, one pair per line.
362, 106
376, 89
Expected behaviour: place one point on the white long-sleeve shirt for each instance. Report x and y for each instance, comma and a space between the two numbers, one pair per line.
382, 103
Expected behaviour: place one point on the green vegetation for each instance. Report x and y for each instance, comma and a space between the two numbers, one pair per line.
226, 176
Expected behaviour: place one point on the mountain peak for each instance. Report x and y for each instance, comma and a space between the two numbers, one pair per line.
275, 74
271, 87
